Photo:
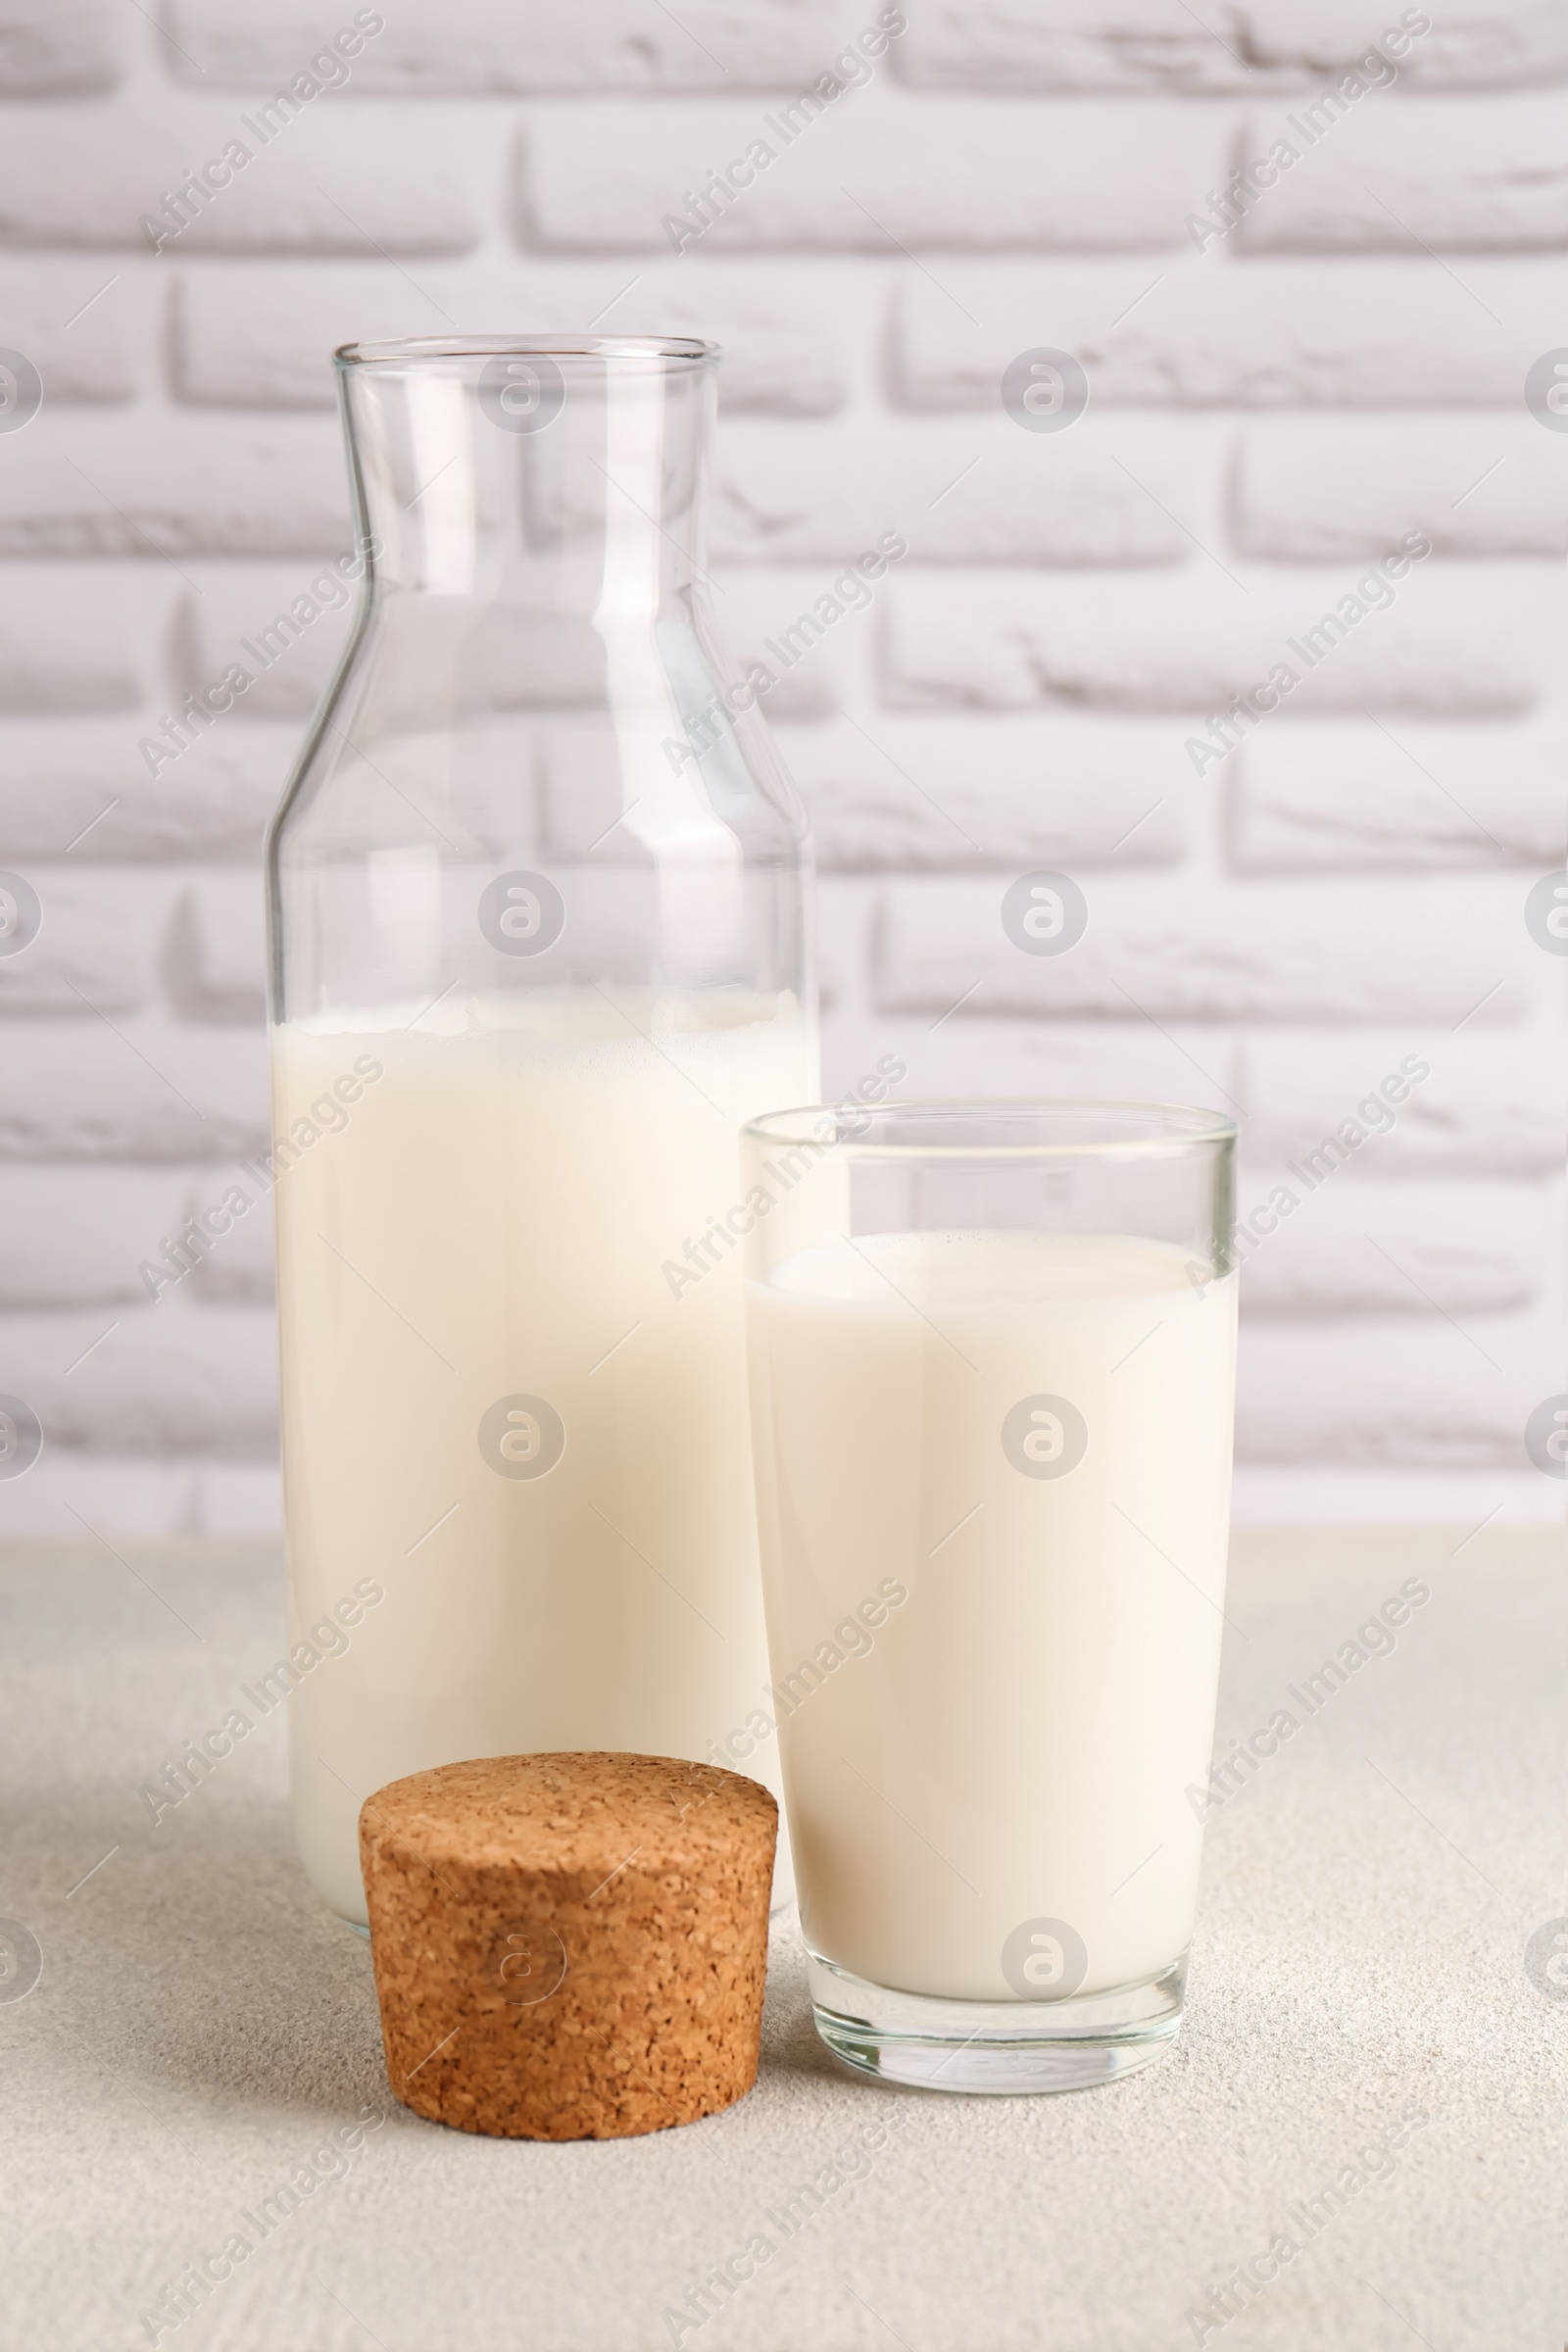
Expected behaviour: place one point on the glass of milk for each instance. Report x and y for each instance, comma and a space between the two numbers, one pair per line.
992, 1352
541, 941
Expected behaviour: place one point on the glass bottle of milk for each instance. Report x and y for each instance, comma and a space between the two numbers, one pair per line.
539, 899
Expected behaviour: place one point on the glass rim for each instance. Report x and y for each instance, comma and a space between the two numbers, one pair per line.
1151, 1129
682, 350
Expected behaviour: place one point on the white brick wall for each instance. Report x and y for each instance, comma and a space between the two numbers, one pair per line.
1271, 410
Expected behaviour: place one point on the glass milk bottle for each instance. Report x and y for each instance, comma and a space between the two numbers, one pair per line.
539, 898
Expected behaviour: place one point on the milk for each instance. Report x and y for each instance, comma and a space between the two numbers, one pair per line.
512, 1397
1029, 1436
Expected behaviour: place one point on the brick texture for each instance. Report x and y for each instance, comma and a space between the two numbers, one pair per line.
1461, 175
73, 644
69, 319
877, 176
57, 49
217, 950
1326, 491
101, 487
225, 617
1404, 1250
148, 1089
1156, 950
479, 46
969, 491
1160, 46
1490, 1107
97, 948
81, 789
1284, 911
905, 794
1375, 1393
1361, 795
1179, 329
317, 186
171, 1379
74, 1236
1130, 643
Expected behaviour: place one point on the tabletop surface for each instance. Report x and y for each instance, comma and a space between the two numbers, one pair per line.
1373, 2068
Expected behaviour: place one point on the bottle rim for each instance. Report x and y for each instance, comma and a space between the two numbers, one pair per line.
681, 350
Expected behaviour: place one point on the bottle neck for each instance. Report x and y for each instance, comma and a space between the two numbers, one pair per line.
567, 483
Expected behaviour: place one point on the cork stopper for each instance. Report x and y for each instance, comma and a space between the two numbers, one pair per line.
569, 1946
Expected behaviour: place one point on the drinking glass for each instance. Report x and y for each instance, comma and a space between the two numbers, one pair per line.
992, 1352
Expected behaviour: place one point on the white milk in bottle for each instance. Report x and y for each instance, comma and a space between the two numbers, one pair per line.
504, 1415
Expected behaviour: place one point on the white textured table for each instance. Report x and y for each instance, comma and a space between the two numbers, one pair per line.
203, 2035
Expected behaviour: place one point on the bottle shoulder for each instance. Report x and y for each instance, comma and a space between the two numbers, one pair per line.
455, 723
